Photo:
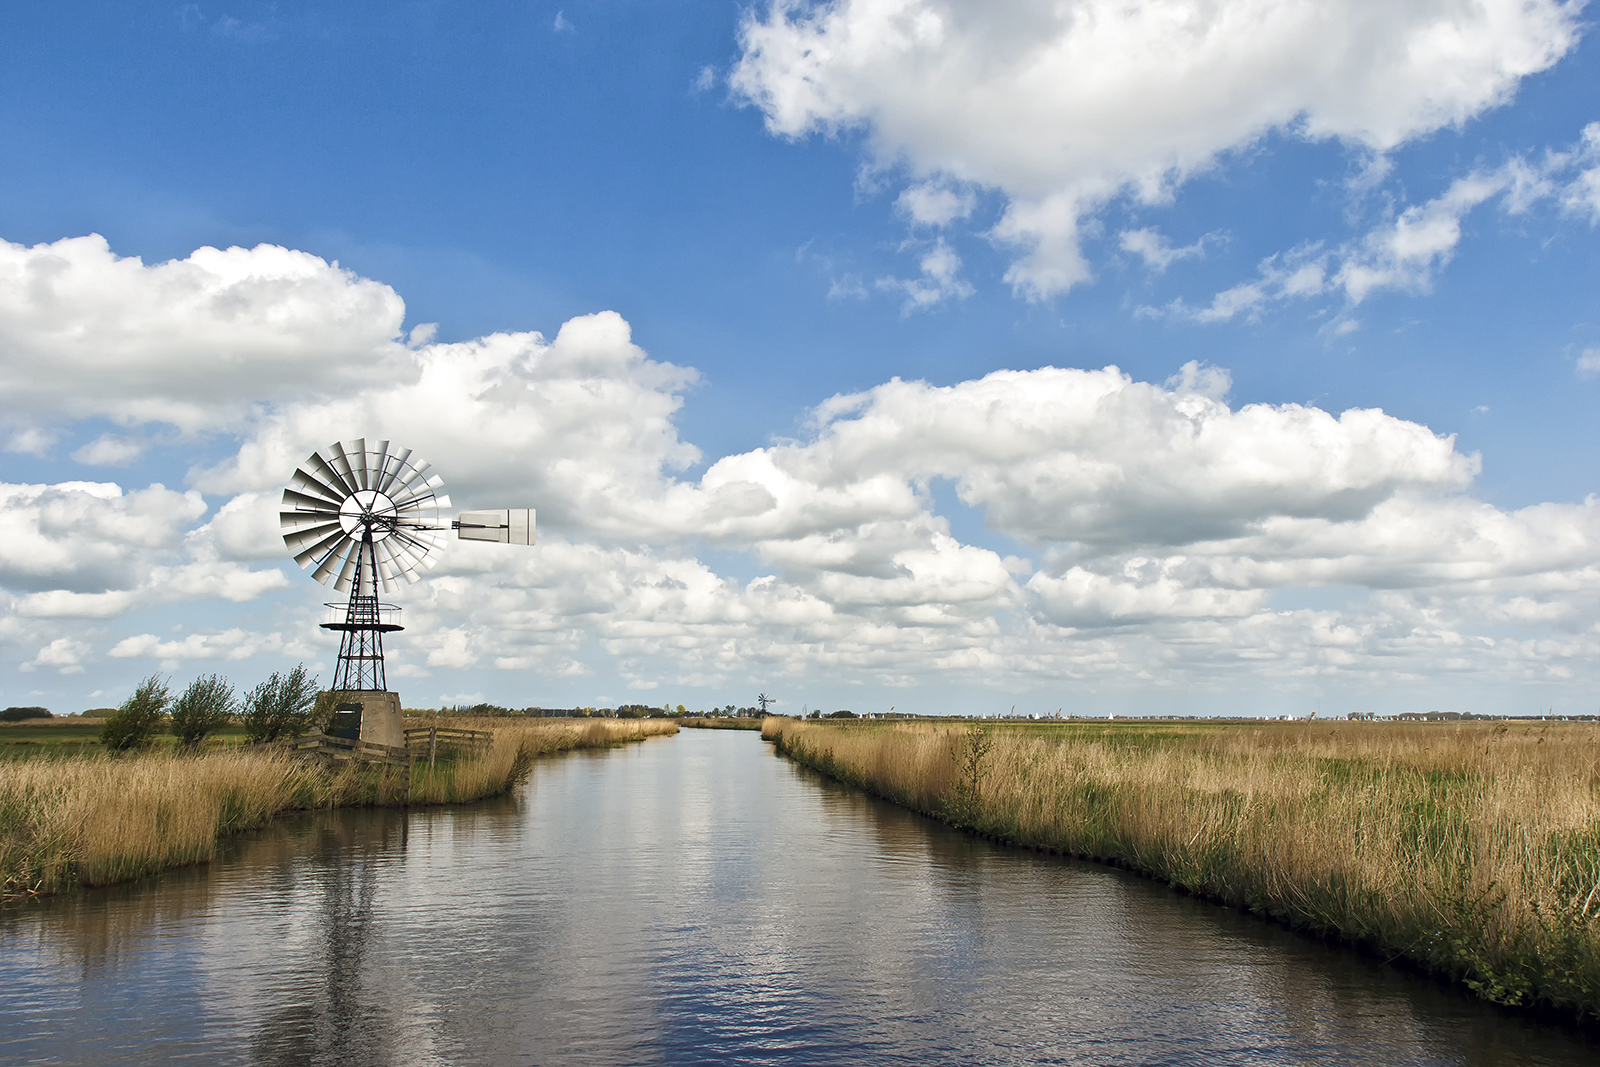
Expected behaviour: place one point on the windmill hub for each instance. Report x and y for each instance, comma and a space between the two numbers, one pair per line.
370, 514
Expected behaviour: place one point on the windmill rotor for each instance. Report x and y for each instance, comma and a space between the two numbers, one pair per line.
347, 496
361, 518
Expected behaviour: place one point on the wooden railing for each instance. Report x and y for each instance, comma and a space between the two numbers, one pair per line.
428, 741
422, 743
340, 750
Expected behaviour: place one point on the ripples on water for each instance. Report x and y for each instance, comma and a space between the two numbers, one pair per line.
688, 900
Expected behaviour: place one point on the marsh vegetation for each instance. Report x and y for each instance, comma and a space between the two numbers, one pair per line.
1471, 850
95, 819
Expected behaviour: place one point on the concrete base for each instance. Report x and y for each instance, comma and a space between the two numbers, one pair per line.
381, 722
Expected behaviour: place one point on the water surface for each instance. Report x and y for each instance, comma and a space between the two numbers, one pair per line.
687, 900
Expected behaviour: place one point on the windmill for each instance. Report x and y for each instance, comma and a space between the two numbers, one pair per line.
764, 700
361, 519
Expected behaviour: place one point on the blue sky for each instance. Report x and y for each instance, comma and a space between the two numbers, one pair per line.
508, 168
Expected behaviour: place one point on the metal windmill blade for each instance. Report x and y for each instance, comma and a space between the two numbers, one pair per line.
355, 513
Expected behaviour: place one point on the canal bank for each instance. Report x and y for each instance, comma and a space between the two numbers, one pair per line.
1471, 851
97, 820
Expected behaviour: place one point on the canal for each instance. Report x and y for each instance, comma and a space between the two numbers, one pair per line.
688, 900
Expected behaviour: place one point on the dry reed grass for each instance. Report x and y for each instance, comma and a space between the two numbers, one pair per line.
1471, 849
98, 820
517, 743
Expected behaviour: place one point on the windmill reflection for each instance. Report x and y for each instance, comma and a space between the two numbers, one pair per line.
335, 1009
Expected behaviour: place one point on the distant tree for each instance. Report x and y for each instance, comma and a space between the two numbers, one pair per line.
203, 708
282, 706
843, 715
19, 714
134, 724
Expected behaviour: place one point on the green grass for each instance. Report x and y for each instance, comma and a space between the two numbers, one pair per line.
56, 738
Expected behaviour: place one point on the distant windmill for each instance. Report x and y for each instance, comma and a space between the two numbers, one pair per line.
359, 518
764, 700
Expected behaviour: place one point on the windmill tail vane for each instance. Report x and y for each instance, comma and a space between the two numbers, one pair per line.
360, 518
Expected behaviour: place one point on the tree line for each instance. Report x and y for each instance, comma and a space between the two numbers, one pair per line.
285, 705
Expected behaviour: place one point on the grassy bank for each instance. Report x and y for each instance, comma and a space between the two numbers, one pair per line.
95, 819
517, 743
1471, 850
695, 722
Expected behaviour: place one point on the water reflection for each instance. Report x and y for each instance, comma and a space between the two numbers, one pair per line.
689, 900
330, 1010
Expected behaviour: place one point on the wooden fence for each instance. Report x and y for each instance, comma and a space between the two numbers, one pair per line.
343, 750
422, 742
429, 741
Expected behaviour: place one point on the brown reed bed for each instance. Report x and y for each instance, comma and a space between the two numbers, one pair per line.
96, 819
1470, 850
517, 743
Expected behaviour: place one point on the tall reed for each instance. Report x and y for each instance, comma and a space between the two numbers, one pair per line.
98, 819
1471, 849
516, 745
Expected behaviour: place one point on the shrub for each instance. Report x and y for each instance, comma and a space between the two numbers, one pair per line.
139, 719
282, 706
19, 714
203, 708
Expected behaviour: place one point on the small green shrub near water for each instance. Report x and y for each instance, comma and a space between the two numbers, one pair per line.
280, 707
136, 723
204, 708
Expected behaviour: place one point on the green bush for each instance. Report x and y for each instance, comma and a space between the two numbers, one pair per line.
203, 708
20, 714
136, 723
282, 706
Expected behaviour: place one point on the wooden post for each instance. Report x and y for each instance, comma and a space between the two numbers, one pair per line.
433, 745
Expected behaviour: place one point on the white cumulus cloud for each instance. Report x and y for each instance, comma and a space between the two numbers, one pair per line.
64, 655
192, 342
1061, 106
